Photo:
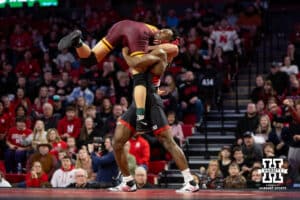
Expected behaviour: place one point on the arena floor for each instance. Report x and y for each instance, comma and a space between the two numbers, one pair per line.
143, 194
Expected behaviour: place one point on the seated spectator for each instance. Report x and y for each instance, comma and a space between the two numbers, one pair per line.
87, 133
255, 181
84, 162
91, 111
278, 137
47, 160
263, 130
105, 166
176, 128
261, 108
71, 147
234, 180
43, 97
139, 147
252, 151
29, 67
106, 109
238, 157
225, 160
269, 150
169, 101
248, 123
16, 152
21, 111
288, 67
3, 182
56, 142
111, 121
50, 120
36, 177
38, 135
189, 97
58, 104
81, 180
130, 158
63, 57
80, 106
21, 99
257, 92
70, 125
140, 177
213, 178
82, 91
65, 175
269, 93
280, 80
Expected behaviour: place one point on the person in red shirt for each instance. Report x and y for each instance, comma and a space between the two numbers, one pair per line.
70, 125
20, 41
16, 151
139, 147
36, 177
56, 142
29, 67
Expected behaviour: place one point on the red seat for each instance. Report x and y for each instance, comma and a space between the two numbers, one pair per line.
155, 167
15, 178
189, 118
152, 178
187, 129
2, 166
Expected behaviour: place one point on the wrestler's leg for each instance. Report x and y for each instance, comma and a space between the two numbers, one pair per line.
121, 136
165, 137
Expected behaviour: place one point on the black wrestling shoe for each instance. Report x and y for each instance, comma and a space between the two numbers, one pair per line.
141, 126
70, 40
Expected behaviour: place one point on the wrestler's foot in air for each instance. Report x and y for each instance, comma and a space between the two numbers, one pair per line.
142, 126
70, 40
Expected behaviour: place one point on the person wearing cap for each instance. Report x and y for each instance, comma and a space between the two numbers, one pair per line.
58, 108
280, 80
82, 91
47, 160
252, 151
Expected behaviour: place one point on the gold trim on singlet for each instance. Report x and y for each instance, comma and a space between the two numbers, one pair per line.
137, 53
152, 28
107, 44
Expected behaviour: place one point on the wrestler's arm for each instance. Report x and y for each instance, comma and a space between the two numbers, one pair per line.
139, 63
171, 50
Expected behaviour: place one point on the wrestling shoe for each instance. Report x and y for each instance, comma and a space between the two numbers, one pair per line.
70, 40
142, 126
129, 186
189, 187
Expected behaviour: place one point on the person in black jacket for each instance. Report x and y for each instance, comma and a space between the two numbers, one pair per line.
279, 79
248, 123
190, 100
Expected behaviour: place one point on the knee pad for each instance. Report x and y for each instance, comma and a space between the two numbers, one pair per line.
139, 79
89, 61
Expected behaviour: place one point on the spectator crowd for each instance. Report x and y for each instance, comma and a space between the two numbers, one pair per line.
57, 117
